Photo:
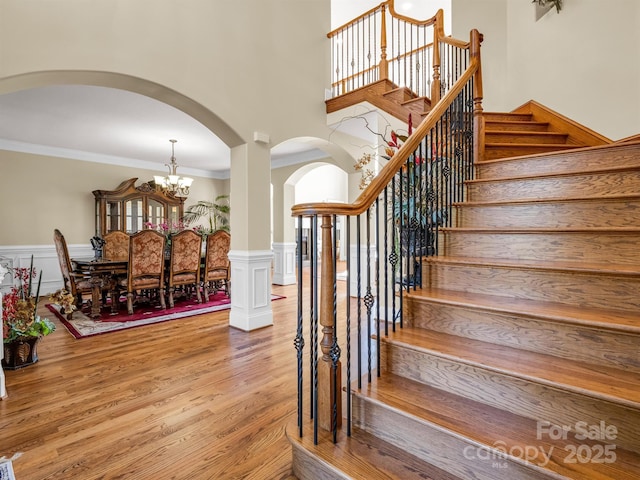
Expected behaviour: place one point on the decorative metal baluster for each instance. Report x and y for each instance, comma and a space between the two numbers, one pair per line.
359, 294
336, 393
368, 297
348, 323
313, 287
377, 227
299, 340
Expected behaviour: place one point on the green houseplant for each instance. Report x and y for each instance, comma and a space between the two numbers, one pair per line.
216, 212
22, 327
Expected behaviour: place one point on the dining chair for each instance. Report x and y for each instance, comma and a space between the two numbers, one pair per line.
145, 271
75, 283
217, 273
116, 245
184, 263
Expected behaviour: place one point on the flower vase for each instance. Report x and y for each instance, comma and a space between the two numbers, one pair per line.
20, 353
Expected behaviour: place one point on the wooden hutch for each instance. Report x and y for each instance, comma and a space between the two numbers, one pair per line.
128, 207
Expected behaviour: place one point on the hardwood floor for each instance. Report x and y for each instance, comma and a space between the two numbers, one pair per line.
185, 399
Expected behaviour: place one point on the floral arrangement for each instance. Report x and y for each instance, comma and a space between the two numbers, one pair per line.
19, 308
65, 299
166, 228
362, 165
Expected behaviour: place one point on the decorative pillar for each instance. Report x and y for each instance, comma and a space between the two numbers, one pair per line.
250, 289
251, 255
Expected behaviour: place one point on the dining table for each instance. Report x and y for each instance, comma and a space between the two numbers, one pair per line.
103, 274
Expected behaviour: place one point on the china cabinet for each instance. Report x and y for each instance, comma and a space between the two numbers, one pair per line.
129, 207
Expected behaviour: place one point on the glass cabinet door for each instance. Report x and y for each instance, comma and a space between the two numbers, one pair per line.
134, 215
173, 215
112, 215
155, 212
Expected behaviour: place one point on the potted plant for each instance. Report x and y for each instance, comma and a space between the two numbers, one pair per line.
217, 213
22, 326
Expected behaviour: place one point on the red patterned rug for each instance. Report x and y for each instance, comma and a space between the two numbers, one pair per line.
82, 325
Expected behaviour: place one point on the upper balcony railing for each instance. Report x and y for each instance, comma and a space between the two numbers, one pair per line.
381, 44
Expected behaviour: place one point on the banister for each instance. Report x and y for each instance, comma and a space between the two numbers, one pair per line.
381, 6
387, 172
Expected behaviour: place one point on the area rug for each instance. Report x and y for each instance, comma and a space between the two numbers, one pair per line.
82, 325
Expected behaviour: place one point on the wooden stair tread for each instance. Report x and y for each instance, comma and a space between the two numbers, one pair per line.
590, 380
364, 456
554, 146
582, 171
513, 122
527, 133
622, 230
617, 320
490, 203
489, 427
578, 267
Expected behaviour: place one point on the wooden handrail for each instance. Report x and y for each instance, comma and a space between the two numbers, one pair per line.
368, 196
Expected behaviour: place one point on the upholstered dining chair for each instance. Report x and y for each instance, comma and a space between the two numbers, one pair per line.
145, 271
184, 263
116, 245
217, 275
75, 283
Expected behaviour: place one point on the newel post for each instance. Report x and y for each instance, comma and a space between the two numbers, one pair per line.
329, 369
384, 63
478, 117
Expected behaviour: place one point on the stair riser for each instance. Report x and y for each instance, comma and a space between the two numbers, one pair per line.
585, 344
572, 288
417, 105
618, 248
575, 214
624, 156
507, 150
504, 126
520, 396
579, 186
525, 137
307, 466
442, 449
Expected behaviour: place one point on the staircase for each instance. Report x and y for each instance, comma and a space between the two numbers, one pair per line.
520, 355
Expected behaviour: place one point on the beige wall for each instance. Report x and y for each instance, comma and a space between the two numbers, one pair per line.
583, 62
238, 66
40, 193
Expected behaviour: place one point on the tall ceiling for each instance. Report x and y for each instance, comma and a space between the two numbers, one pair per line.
115, 126
123, 128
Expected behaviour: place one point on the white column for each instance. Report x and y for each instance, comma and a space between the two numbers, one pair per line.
250, 289
284, 263
251, 254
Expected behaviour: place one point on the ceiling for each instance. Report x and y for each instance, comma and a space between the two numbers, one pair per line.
118, 127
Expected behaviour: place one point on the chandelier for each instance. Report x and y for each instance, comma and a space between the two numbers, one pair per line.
173, 183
